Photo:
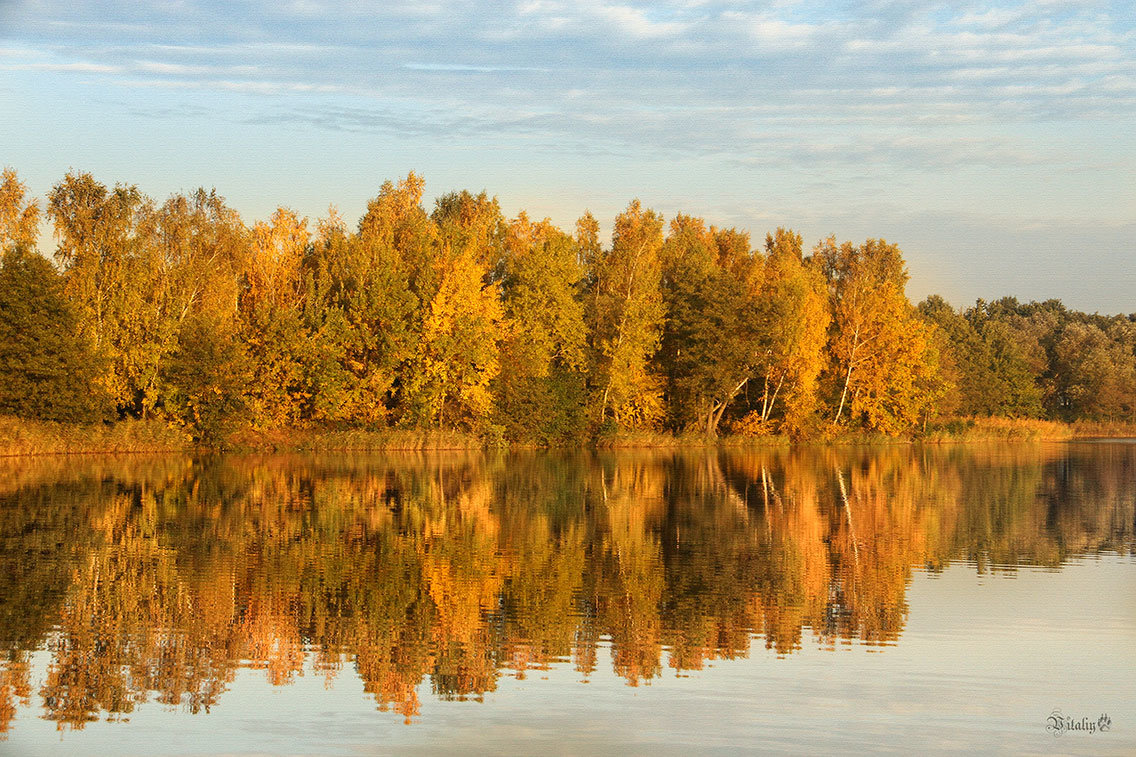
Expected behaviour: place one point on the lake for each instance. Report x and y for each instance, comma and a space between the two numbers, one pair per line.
829, 600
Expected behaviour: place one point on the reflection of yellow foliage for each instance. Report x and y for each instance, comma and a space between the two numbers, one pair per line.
448, 569
273, 643
460, 568
14, 687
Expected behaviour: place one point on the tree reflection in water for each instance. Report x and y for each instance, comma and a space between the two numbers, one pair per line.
157, 579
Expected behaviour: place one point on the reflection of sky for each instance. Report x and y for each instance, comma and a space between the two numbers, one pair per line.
994, 143
981, 664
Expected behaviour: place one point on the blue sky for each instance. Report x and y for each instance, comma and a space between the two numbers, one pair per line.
996, 144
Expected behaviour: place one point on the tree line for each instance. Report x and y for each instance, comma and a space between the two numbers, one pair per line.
510, 328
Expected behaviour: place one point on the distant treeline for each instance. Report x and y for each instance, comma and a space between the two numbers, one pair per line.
512, 329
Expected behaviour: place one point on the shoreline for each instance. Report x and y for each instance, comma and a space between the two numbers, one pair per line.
22, 438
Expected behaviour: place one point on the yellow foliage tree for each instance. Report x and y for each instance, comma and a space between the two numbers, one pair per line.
795, 324
457, 355
627, 315
19, 217
882, 361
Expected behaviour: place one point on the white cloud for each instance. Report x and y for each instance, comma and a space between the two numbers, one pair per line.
635, 22
461, 67
80, 67
797, 83
991, 18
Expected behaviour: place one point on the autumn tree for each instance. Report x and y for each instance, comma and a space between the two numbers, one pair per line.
19, 217
710, 340
457, 355
271, 306
626, 315
881, 365
541, 386
517, 329
203, 250
794, 325
110, 276
195, 249
472, 224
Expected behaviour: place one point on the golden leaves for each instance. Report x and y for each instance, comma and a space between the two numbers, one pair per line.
19, 217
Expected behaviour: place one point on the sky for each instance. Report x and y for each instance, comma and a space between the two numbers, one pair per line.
994, 143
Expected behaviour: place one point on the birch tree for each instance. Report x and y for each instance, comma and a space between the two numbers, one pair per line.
105, 254
795, 320
626, 318
881, 358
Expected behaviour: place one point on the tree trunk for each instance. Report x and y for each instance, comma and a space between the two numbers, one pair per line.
848, 516
844, 393
765, 396
718, 410
766, 412
711, 424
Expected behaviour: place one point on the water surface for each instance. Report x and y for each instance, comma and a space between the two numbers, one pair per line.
826, 600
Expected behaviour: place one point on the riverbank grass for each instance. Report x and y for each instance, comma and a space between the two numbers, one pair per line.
24, 437
19, 436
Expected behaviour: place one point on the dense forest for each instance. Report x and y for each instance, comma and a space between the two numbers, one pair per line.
516, 330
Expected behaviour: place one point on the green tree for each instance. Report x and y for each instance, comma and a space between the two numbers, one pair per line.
1095, 374
710, 340
384, 285
358, 311
47, 370
1008, 363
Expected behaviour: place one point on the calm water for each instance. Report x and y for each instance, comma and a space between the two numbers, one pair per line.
899, 599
